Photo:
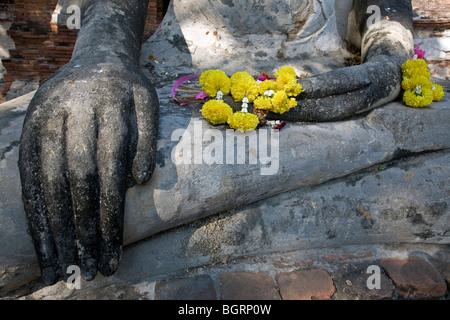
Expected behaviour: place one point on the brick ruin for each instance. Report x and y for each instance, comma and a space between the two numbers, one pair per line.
432, 30
39, 46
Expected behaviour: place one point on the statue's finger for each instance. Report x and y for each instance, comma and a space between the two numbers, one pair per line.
83, 177
57, 191
147, 119
34, 204
332, 108
335, 82
112, 162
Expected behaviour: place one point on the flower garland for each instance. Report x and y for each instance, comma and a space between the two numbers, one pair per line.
243, 121
216, 111
419, 92
243, 85
213, 81
276, 95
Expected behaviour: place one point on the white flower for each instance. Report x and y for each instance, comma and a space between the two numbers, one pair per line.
418, 90
219, 95
244, 105
269, 93
273, 123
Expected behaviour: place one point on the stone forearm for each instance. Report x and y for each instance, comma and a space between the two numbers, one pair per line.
385, 31
388, 34
112, 27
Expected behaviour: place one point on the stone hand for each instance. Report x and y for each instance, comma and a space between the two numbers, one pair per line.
90, 131
386, 42
85, 133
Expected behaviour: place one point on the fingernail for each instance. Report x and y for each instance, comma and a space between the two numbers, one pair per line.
89, 268
109, 263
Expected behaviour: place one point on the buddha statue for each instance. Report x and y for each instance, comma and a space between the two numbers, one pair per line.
91, 129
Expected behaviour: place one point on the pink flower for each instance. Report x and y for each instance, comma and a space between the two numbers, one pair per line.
202, 95
179, 82
418, 54
263, 123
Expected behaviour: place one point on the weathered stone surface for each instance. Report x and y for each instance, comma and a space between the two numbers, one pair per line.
305, 166
210, 34
193, 288
405, 202
345, 148
415, 277
444, 268
248, 286
352, 274
351, 283
216, 33
17, 248
314, 284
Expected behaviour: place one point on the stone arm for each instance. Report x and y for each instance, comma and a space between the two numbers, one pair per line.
90, 131
386, 43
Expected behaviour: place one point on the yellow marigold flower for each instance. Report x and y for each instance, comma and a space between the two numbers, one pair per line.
411, 83
281, 102
418, 97
243, 85
203, 76
265, 86
438, 92
286, 70
213, 81
216, 111
243, 121
292, 103
279, 97
287, 83
263, 103
415, 67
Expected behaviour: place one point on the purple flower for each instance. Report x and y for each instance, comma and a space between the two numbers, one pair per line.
263, 77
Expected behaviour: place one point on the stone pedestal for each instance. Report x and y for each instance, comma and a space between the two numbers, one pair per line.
378, 179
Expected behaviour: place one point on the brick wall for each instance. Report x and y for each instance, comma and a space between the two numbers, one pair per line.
43, 46
432, 31
155, 14
30, 31
6, 43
